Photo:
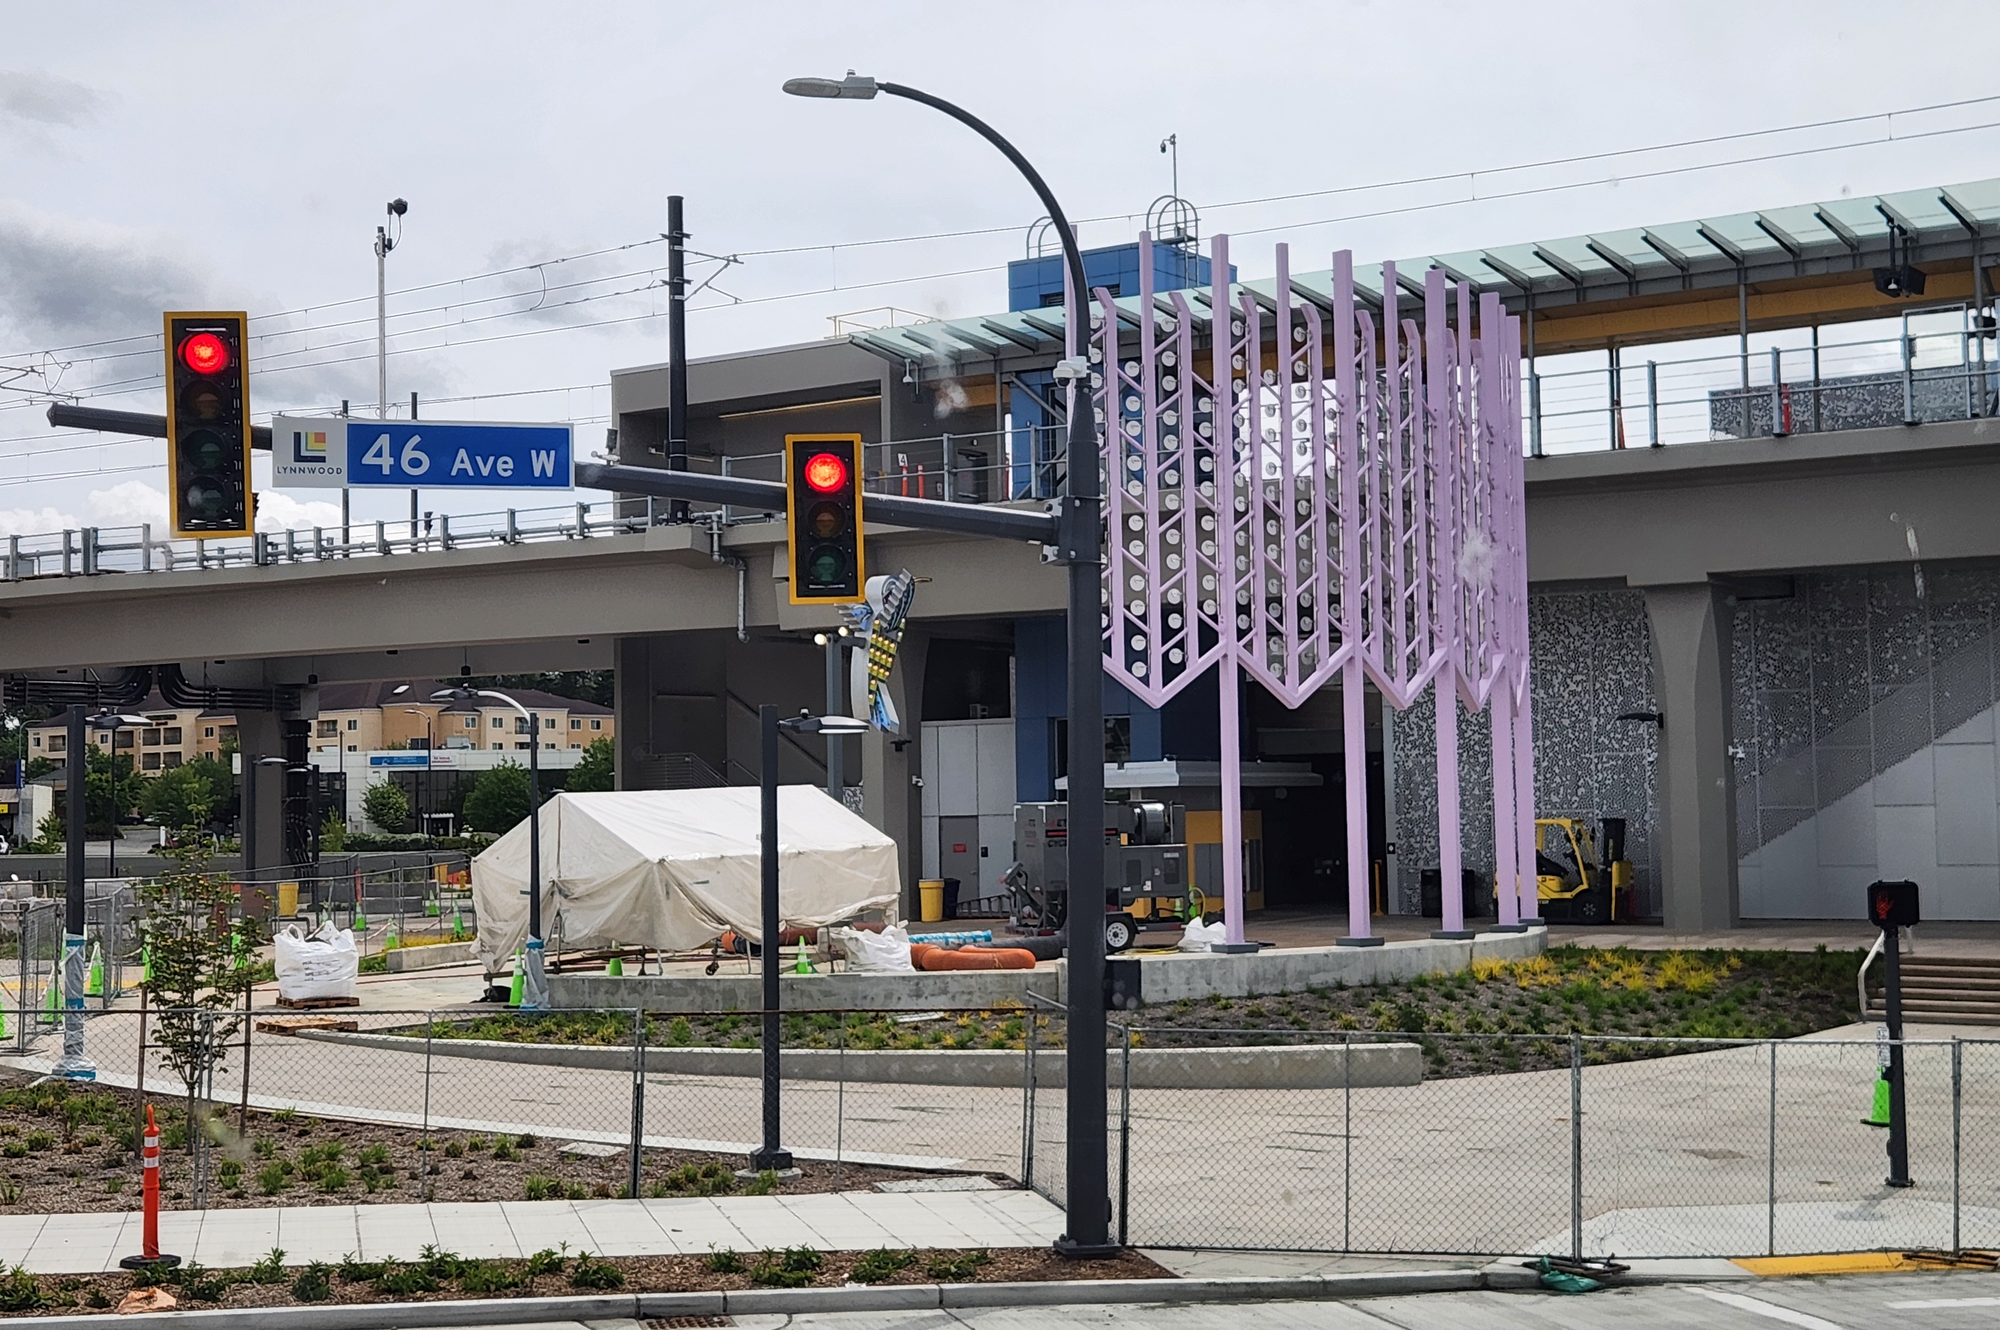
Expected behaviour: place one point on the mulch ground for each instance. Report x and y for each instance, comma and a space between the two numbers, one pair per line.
69, 1148
450, 1279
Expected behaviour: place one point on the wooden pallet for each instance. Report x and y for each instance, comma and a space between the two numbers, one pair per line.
294, 1024
318, 1004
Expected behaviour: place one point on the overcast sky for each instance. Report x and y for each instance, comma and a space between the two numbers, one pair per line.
240, 155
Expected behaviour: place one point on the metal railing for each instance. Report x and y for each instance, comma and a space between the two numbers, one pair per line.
1916, 378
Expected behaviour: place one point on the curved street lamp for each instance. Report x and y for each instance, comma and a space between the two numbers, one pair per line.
534, 979
1080, 540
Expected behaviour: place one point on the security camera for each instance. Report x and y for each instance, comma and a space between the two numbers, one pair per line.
397, 207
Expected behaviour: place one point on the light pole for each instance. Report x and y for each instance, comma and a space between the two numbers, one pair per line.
771, 1154
1080, 541
425, 793
114, 722
836, 705
74, 1065
384, 242
534, 981
251, 868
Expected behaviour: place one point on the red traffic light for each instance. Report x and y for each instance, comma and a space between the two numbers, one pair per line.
825, 472
205, 353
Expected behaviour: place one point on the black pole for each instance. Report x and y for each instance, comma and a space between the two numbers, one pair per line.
534, 830
770, 1155
1081, 542
1892, 1002
73, 846
252, 762
677, 365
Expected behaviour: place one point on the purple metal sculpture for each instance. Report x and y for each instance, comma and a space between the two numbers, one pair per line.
1333, 498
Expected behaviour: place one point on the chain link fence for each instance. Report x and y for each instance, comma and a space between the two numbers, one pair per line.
1325, 1141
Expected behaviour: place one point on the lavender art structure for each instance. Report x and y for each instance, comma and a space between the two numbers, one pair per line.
1324, 492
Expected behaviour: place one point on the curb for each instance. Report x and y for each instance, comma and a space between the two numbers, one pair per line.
798, 1301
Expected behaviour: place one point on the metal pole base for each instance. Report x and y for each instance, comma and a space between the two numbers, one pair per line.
1235, 948
534, 979
1898, 1182
148, 1262
1069, 1249
776, 1161
1359, 941
1509, 928
1536, 922
1453, 934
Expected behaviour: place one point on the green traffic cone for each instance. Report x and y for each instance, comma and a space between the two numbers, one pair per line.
3, 1024
615, 968
1878, 1114
805, 965
431, 907
146, 965
393, 938
520, 981
53, 1002
457, 924
93, 983
360, 918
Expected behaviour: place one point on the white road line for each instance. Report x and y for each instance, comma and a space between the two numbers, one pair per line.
1758, 1307
1934, 1304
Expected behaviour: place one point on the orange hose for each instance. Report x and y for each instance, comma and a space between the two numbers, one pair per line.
973, 958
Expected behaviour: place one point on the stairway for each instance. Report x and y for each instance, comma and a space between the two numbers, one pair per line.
1941, 991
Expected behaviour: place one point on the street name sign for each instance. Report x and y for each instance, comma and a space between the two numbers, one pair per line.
336, 452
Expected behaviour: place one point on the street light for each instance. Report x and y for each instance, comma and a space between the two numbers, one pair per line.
770, 1154
422, 821
534, 981
114, 722
1080, 541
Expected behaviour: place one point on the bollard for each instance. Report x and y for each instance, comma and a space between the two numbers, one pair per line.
150, 1243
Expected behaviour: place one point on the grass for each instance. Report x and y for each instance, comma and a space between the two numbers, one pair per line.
794, 1267
881, 1265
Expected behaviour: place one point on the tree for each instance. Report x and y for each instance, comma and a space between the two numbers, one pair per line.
38, 767
386, 806
220, 778
180, 799
112, 788
499, 799
199, 966
48, 837
597, 770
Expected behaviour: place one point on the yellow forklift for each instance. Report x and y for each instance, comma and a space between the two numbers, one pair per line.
1573, 880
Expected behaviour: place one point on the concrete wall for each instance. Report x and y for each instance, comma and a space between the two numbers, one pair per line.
959, 990
1170, 978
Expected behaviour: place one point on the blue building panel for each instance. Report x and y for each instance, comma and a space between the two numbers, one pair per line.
1037, 283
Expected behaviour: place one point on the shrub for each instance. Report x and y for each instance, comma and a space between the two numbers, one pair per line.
481, 1278
20, 1291
763, 1184
353, 1271
960, 1267
794, 1267
332, 1178
881, 1265
198, 1284
314, 1284
270, 1270
402, 1281
525, 1141
593, 1273
541, 1187
547, 1261
724, 1262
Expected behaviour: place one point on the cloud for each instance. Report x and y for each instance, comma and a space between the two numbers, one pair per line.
34, 521
64, 281
128, 503
46, 99
134, 502
279, 511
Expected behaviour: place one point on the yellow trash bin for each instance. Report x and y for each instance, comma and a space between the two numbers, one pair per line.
288, 899
930, 899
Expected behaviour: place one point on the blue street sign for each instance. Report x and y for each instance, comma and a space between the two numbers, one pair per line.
335, 451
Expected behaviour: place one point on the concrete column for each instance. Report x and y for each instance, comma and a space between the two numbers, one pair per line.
262, 734
1691, 634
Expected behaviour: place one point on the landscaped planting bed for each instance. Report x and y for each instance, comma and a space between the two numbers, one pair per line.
65, 1147
440, 1276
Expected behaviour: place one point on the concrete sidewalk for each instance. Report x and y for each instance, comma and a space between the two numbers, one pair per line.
832, 1221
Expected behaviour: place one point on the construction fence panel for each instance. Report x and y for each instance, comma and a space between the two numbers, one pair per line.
1976, 1161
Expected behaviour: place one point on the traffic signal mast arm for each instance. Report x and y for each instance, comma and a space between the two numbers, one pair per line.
769, 495
143, 424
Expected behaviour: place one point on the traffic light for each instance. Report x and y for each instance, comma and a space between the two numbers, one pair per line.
823, 518
208, 424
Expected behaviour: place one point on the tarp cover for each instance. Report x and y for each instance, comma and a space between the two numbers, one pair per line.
674, 868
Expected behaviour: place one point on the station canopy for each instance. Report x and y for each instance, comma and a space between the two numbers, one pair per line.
672, 869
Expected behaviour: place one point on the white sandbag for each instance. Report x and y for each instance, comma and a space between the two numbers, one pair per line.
323, 965
1198, 936
886, 952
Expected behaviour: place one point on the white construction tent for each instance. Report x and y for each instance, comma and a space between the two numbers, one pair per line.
672, 869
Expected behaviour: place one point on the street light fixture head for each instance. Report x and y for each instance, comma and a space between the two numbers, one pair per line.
855, 87
807, 723
399, 690
107, 720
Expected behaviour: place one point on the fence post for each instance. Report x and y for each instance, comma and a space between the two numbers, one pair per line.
1346, 1142
1576, 1147
840, 1098
1909, 377
1771, 1203
1653, 403
638, 1100
1027, 1102
1780, 427
1957, 1106
1124, 1134
243, 1107
424, 1145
